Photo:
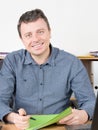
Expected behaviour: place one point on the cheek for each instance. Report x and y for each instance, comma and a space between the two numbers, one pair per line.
26, 43
47, 38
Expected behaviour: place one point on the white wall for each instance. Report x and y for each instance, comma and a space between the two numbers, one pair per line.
74, 23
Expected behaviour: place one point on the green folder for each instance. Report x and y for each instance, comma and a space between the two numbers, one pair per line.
46, 120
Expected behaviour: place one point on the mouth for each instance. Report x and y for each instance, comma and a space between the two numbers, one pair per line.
38, 46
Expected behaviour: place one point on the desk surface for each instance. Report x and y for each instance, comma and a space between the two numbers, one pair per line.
88, 58
12, 127
52, 127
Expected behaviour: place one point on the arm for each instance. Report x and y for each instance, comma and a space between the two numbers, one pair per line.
81, 86
7, 83
6, 92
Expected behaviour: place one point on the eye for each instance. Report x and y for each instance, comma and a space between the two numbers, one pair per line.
29, 35
40, 32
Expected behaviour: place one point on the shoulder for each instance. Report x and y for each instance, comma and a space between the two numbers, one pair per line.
66, 59
66, 56
18, 53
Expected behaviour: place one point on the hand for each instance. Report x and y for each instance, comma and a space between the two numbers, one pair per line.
77, 117
20, 119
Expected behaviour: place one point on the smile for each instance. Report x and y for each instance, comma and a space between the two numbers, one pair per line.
37, 46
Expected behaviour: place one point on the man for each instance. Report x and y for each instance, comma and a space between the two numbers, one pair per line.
42, 78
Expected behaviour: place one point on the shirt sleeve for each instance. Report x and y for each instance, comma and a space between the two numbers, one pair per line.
7, 83
82, 88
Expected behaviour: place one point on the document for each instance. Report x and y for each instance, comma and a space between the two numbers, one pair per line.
46, 120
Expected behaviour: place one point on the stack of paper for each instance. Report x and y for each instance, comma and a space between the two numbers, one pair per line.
94, 53
46, 120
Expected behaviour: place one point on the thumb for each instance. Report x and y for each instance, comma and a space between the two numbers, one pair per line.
22, 112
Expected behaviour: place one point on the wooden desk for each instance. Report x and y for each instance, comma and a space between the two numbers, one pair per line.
12, 127
52, 127
87, 61
88, 58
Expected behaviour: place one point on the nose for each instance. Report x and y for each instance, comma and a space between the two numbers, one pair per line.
35, 37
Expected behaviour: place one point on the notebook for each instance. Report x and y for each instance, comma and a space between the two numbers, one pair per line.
46, 120
93, 126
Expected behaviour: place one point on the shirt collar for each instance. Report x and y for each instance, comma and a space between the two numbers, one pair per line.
50, 61
28, 59
53, 55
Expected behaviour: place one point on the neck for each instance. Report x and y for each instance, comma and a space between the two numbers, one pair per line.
41, 59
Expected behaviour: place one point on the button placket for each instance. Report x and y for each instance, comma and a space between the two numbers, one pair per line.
41, 73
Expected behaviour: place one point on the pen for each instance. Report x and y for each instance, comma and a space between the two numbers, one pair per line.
32, 118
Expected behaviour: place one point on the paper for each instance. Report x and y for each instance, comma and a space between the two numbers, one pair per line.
46, 120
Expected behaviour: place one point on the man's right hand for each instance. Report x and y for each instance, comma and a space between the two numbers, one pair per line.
20, 119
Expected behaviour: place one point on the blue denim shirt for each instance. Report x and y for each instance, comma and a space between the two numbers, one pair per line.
46, 88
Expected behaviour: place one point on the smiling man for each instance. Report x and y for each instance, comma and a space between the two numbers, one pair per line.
36, 39
40, 79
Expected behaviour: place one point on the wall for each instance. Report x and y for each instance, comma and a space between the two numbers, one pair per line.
74, 23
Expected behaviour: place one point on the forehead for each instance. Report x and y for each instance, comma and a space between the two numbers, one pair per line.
33, 26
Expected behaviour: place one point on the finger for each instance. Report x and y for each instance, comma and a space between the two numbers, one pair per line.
66, 119
69, 119
73, 121
22, 112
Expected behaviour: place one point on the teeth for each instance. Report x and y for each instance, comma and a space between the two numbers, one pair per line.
37, 45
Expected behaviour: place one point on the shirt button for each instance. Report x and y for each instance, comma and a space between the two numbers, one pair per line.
40, 66
41, 83
40, 99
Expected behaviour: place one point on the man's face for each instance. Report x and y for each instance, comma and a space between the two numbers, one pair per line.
36, 37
